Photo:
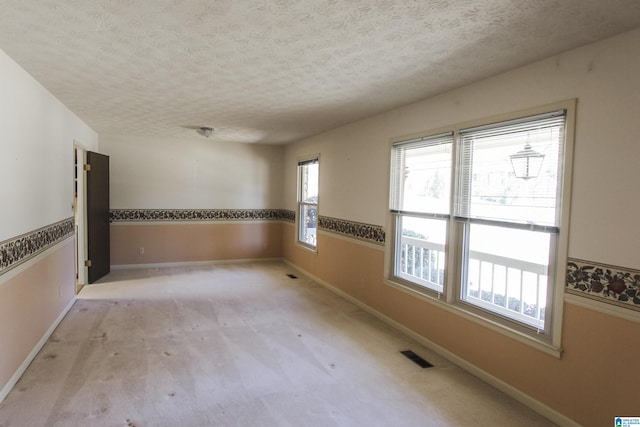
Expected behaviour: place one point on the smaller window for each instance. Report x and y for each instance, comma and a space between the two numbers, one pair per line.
420, 205
308, 172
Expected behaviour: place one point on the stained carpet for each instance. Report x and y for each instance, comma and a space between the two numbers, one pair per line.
240, 345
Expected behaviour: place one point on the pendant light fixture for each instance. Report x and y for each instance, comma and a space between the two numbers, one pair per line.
205, 131
527, 163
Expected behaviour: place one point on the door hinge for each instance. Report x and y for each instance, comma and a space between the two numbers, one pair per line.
87, 167
87, 263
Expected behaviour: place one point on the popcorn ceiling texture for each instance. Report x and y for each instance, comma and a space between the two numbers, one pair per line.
275, 71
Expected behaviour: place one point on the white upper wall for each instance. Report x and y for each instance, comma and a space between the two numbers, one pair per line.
194, 173
37, 135
354, 165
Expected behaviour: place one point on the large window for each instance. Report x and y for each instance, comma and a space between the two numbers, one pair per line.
477, 216
308, 202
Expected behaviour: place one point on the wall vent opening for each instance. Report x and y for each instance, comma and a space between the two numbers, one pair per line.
409, 354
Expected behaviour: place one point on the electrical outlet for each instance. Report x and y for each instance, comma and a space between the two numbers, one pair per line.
141, 250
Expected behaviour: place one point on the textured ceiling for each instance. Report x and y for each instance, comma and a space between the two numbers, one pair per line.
274, 71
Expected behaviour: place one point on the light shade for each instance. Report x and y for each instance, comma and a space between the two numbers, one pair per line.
527, 163
205, 131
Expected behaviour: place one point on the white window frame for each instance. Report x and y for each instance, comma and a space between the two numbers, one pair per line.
409, 274
450, 299
302, 204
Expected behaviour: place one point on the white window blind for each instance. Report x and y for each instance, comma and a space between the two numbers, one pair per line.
488, 190
309, 181
308, 162
421, 175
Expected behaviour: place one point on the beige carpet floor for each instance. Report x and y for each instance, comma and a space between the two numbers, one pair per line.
240, 345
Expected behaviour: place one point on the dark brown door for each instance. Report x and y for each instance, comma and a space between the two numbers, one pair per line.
98, 215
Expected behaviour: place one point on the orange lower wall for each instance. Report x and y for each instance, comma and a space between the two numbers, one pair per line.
31, 301
192, 242
595, 380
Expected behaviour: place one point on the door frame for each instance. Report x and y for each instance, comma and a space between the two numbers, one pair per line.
80, 214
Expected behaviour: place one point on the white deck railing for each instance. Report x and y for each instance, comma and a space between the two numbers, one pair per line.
422, 262
510, 287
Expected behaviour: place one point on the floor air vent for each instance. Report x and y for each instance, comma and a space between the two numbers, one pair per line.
416, 359
292, 276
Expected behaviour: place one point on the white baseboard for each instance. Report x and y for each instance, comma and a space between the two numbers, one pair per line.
191, 263
509, 390
27, 361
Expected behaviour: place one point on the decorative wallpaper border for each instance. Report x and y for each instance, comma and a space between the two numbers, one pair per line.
367, 232
18, 250
370, 233
606, 283
136, 215
287, 215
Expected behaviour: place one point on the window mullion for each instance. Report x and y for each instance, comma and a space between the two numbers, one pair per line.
452, 272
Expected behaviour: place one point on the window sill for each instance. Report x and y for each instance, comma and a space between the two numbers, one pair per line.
495, 326
306, 247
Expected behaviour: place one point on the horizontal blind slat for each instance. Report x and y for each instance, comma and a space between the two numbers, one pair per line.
509, 224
